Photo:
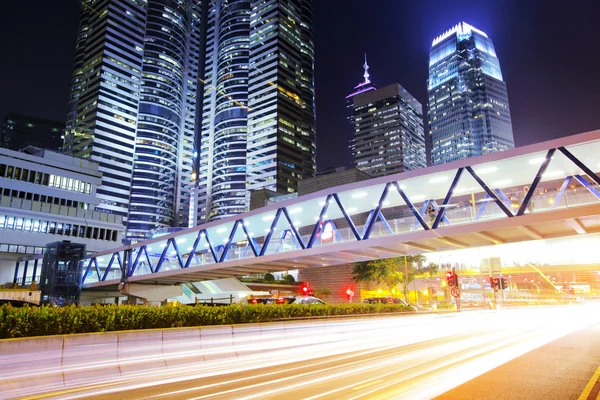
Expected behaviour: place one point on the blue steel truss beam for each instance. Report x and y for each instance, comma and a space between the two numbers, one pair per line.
294, 229
284, 233
251, 241
379, 216
97, 268
177, 252
163, 256
376, 211
581, 165
411, 206
270, 233
311, 241
561, 192
135, 264
442, 211
194, 248
348, 219
535, 182
587, 185
490, 192
227, 245
110, 263
87, 270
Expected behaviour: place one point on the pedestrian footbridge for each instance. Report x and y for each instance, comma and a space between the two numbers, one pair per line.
545, 190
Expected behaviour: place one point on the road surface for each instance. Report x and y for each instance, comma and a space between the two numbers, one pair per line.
478, 354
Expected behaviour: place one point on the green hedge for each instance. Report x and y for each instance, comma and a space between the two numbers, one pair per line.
41, 321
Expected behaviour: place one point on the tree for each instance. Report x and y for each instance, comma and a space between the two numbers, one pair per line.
391, 271
268, 277
432, 269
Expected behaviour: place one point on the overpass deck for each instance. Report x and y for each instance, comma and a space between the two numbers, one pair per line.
545, 190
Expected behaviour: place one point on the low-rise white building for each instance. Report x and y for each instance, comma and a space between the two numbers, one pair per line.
47, 197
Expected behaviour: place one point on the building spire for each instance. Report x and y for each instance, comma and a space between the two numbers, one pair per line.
366, 67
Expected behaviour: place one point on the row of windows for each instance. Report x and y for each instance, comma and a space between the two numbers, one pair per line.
13, 248
57, 228
43, 198
40, 178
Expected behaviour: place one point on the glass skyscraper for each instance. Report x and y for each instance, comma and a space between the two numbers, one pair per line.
468, 111
388, 131
258, 122
133, 107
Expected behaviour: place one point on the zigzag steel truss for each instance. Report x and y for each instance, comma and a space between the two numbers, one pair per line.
133, 262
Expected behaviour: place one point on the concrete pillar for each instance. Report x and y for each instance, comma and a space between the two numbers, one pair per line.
24, 273
16, 277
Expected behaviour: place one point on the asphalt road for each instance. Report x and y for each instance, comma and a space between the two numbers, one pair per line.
539, 353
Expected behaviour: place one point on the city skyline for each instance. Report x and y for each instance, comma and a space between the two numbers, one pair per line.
520, 32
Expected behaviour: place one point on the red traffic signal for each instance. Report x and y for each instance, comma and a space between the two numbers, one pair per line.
349, 293
306, 291
451, 278
494, 283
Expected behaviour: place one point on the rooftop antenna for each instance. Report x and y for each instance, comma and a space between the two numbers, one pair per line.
366, 67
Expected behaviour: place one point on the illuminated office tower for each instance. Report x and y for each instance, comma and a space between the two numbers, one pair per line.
222, 171
133, 107
163, 181
388, 131
468, 103
258, 124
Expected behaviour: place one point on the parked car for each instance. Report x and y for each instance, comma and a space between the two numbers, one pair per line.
261, 300
299, 300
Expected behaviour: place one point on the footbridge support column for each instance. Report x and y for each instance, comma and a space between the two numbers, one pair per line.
151, 294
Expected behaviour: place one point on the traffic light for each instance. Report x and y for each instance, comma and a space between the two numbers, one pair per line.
494, 283
451, 278
306, 291
503, 283
349, 293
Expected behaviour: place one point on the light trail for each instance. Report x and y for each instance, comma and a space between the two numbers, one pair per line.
388, 357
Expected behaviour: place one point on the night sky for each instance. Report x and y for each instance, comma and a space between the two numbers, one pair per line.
549, 54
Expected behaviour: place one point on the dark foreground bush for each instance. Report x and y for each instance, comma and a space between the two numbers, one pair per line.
41, 321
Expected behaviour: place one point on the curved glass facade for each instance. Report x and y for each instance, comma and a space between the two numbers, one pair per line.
223, 185
161, 180
159, 117
229, 147
258, 125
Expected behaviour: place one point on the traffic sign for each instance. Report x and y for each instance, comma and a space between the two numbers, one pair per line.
455, 291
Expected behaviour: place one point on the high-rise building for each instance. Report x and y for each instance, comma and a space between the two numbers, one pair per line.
258, 123
20, 131
133, 107
468, 103
388, 131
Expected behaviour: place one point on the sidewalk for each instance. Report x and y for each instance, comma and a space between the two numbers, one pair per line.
559, 370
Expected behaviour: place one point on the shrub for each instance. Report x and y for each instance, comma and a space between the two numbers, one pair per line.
41, 321
268, 277
289, 279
